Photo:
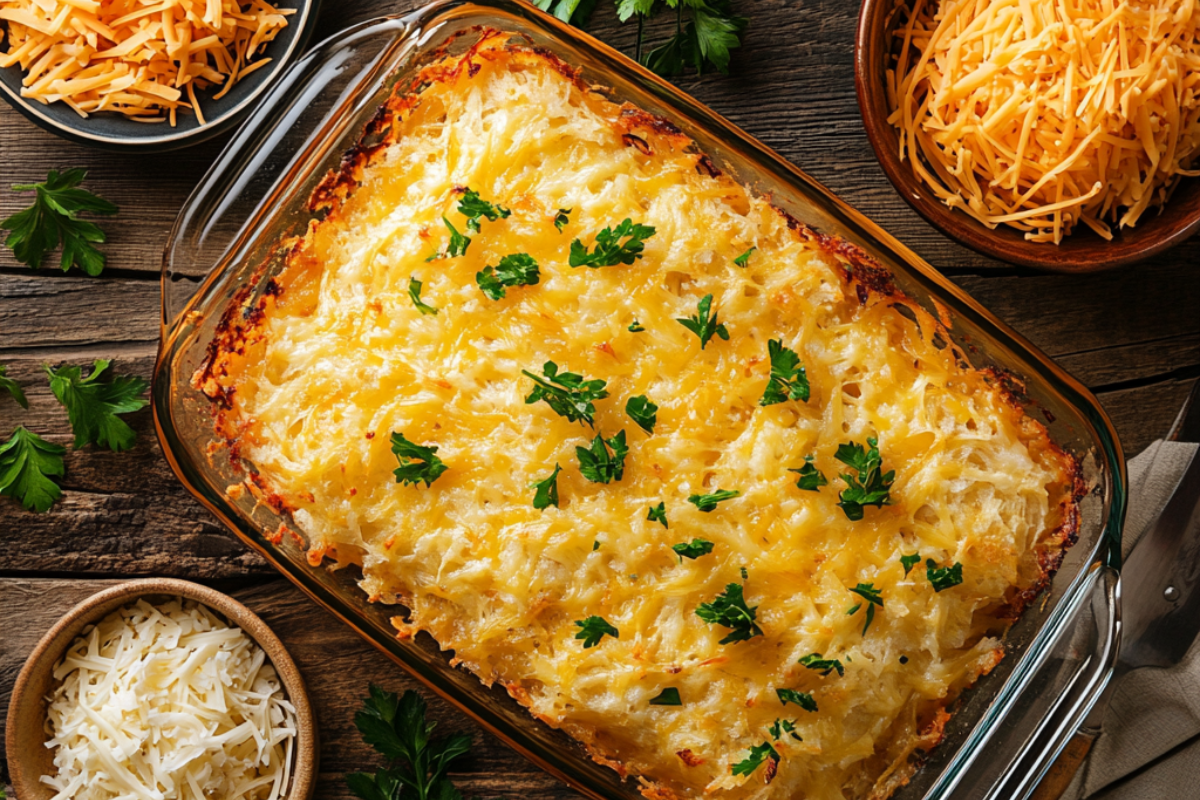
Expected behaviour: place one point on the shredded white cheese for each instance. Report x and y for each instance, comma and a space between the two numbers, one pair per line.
166, 703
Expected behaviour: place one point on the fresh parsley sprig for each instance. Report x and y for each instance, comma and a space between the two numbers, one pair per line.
567, 393
94, 402
414, 294
604, 461
943, 578
729, 610
593, 629
609, 250
814, 661
417, 462
547, 491
12, 387
744, 258
28, 465
758, 754
811, 479
474, 207
516, 269
53, 218
693, 549
658, 514
871, 486
788, 379
703, 324
642, 411
908, 562
457, 245
783, 726
573, 12
872, 596
802, 699
562, 218
710, 33
708, 502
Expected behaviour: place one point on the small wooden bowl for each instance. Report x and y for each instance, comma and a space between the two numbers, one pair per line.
1082, 251
28, 756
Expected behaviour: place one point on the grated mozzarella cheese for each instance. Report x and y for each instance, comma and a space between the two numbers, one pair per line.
168, 703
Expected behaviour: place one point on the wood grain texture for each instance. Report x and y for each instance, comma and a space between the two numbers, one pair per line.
337, 667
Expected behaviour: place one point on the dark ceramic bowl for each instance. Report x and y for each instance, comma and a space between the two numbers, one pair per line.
1082, 251
113, 131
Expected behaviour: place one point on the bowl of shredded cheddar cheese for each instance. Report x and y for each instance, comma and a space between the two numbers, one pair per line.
1063, 136
146, 74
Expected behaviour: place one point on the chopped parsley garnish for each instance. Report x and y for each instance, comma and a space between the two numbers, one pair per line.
414, 294
811, 479
667, 697
658, 513
704, 325
610, 250
599, 465
93, 403
788, 380
54, 218
908, 562
823, 665
636, 327
595, 545
643, 412
708, 502
802, 699
871, 487
28, 463
942, 578
547, 490
12, 387
756, 758
458, 244
567, 393
744, 258
562, 218
516, 269
729, 610
593, 629
693, 549
783, 726
417, 462
473, 207
872, 596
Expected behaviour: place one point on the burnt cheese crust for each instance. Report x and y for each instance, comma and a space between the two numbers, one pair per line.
310, 380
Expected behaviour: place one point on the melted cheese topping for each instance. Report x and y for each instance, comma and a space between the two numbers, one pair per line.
1043, 115
340, 357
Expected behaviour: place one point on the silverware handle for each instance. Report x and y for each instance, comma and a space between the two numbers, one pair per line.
1063, 770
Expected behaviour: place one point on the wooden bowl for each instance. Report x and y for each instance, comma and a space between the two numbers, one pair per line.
28, 756
1082, 251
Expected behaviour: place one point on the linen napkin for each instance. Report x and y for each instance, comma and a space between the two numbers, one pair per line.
1150, 745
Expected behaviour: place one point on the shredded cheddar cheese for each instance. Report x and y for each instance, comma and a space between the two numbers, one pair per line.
310, 382
1042, 115
145, 59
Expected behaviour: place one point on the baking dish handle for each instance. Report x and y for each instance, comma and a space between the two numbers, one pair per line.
276, 147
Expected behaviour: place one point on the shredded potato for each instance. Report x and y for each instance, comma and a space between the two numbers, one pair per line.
1042, 115
143, 58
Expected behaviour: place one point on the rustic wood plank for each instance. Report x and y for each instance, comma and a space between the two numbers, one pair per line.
1144, 414
337, 667
40, 311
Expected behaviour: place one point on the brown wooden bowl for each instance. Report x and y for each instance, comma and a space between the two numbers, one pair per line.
1082, 251
25, 740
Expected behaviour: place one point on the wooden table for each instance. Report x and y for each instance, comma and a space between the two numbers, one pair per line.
1132, 335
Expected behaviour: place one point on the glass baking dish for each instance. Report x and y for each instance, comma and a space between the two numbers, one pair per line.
1059, 654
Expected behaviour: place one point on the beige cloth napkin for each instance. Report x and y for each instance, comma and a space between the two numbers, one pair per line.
1150, 747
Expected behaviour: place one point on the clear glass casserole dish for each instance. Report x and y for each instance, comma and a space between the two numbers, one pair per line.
1059, 653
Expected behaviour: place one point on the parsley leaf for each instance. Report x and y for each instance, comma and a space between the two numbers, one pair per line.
744, 258
802, 699
908, 562
755, 759
53, 218
869, 593
597, 465
871, 487
703, 325
517, 269
12, 387
562, 218
396, 727
823, 665
811, 479
729, 610
783, 726
27, 464
472, 206
414, 294
943, 578
573, 12
658, 513
609, 251
643, 412
93, 404
708, 502
593, 629
706, 39
567, 393
417, 462
693, 549
636, 327
458, 244
788, 380
667, 697
547, 491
